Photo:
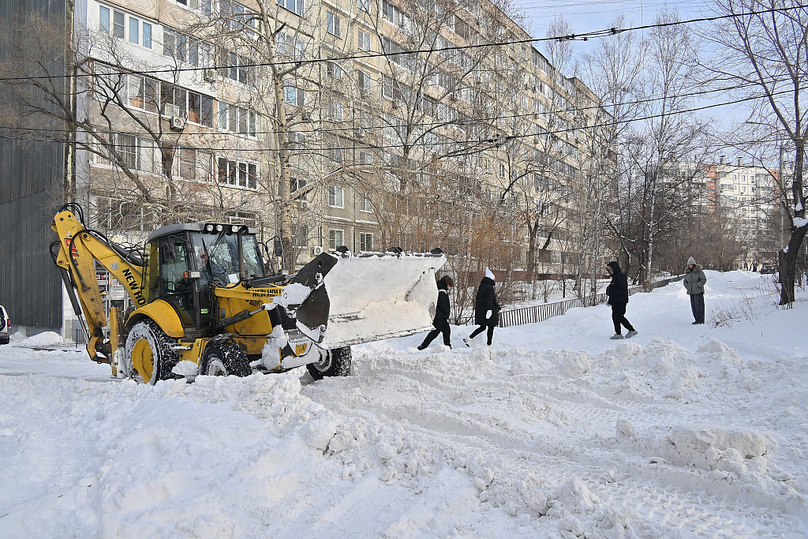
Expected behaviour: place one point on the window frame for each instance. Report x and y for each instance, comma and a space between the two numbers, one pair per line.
295, 6
364, 237
118, 23
363, 40
332, 238
238, 174
336, 196
333, 24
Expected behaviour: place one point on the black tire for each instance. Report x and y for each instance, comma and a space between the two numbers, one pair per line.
336, 362
224, 358
149, 354
5, 340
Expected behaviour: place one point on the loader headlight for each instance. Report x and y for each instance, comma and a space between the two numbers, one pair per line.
219, 228
208, 228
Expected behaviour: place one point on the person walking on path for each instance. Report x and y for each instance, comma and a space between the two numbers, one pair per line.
618, 299
694, 284
486, 308
442, 311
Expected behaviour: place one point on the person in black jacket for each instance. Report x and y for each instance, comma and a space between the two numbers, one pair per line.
486, 308
442, 311
618, 299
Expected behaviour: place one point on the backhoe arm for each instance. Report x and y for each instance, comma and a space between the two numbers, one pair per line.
79, 248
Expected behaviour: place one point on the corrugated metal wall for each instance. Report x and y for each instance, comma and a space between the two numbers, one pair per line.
31, 179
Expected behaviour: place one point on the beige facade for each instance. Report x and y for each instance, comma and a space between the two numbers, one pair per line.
364, 123
749, 193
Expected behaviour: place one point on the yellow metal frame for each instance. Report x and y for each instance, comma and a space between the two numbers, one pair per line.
163, 315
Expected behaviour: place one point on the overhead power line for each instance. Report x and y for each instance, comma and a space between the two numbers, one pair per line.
607, 32
494, 141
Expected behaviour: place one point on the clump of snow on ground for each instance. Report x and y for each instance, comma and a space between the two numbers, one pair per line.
553, 431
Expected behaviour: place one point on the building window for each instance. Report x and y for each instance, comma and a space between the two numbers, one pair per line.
237, 120
238, 16
118, 24
396, 52
365, 241
142, 92
134, 30
295, 6
187, 162
181, 47
335, 152
147, 35
335, 196
333, 70
295, 184
294, 96
172, 100
200, 109
126, 146
333, 24
337, 111
365, 205
115, 21
363, 41
236, 67
103, 18
336, 238
394, 14
502, 171
364, 82
238, 173
145, 156
363, 5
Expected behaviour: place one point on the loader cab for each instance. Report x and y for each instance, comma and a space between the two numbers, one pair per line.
185, 262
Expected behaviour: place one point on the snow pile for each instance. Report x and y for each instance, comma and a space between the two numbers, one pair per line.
554, 431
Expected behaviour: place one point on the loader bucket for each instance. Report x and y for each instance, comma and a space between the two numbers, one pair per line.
374, 297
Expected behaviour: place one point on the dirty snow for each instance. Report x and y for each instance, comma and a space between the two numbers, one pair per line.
554, 431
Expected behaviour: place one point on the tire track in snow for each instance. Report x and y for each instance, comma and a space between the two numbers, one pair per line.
542, 440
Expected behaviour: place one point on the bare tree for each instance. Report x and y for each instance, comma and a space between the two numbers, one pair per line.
764, 53
124, 118
613, 71
655, 191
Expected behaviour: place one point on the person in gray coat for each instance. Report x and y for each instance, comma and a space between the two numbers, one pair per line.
694, 284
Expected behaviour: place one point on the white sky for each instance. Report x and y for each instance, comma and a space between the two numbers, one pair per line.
588, 15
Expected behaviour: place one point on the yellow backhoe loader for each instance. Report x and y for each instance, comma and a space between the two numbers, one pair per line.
201, 294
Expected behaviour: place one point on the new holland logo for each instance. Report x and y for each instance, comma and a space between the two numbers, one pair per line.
131, 282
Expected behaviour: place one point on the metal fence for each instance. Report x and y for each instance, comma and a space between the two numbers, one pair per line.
540, 313
79, 337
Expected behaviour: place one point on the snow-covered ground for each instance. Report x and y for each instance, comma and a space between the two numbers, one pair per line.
554, 431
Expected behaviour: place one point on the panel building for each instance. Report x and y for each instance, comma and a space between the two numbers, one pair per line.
365, 123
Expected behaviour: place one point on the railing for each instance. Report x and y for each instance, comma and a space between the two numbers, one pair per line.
540, 313
79, 337
536, 313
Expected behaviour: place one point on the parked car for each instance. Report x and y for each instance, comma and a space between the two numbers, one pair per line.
5, 325
768, 269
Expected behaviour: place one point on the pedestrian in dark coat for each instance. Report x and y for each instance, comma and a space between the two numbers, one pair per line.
694, 284
442, 311
486, 308
617, 291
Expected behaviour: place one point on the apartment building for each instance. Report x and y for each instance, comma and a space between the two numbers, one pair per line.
747, 193
364, 123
